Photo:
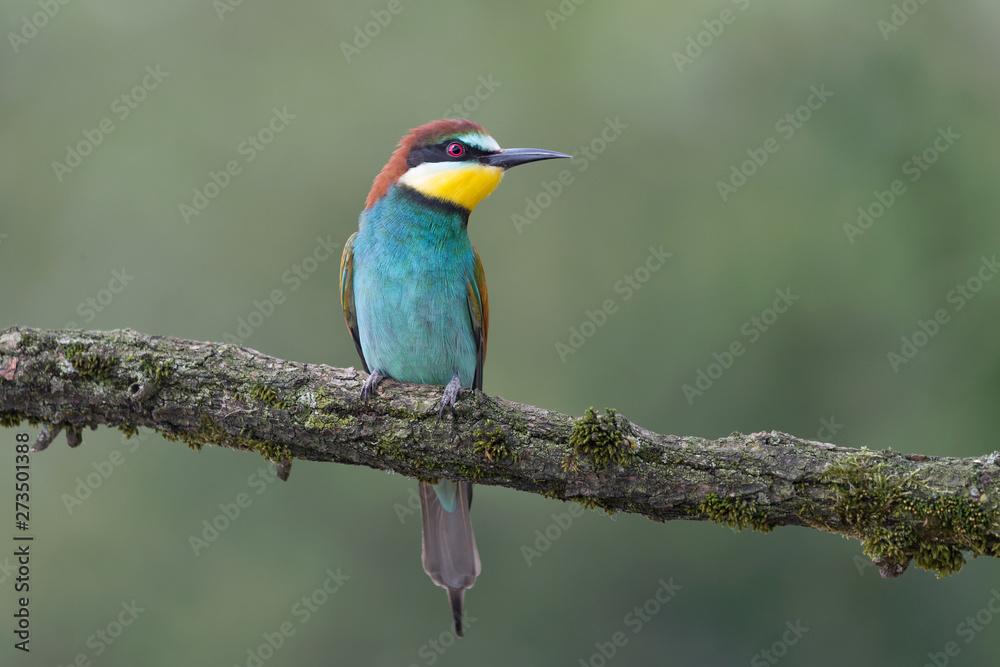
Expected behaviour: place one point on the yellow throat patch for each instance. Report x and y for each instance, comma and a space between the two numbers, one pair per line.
462, 183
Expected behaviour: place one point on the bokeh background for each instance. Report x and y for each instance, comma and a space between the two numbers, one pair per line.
895, 77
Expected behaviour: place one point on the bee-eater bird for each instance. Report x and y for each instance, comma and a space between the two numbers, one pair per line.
414, 297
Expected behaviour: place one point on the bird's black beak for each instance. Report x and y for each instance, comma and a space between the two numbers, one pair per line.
511, 157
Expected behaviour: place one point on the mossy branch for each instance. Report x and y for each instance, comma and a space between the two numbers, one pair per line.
926, 509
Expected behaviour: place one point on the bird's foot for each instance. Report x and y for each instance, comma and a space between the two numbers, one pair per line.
371, 384
450, 395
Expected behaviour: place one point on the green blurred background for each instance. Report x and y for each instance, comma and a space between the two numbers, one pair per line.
552, 84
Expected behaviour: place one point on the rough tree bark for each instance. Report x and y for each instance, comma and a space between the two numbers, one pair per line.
901, 507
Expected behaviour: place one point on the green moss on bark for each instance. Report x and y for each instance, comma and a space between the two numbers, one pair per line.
898, 518
89, 365
493, 444
603, 439
10, 419
267, 395
737, 514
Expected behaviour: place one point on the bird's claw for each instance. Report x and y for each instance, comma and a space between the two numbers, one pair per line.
371, 384
450, 395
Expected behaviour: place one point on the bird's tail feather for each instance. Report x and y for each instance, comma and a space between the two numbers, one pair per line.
450, 556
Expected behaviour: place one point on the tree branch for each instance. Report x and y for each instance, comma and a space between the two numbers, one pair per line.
902, 507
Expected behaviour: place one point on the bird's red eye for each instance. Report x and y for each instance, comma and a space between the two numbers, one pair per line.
456, 149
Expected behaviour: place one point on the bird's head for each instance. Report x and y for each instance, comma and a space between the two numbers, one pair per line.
454, 161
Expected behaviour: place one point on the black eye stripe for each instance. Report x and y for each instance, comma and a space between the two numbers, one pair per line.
439, 153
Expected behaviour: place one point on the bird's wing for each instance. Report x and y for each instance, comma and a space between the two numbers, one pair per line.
479, 311
347, 296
